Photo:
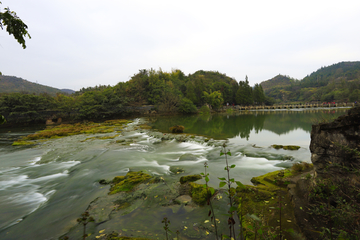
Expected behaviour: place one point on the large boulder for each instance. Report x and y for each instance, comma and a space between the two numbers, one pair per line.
335, 146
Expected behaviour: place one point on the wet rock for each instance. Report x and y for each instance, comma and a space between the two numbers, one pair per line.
104, 182
188, 157
335, 146
176, 170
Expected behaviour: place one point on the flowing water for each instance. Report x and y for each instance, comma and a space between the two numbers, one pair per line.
44, 189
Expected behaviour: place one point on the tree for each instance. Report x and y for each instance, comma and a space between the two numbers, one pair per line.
244, 93
14, 26
258, 94
214, 99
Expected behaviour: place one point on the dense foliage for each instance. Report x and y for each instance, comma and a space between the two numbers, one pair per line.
339, 82
167, 92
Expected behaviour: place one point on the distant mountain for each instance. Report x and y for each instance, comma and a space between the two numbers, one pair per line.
276, 82
9, 84
338, 82
68, 91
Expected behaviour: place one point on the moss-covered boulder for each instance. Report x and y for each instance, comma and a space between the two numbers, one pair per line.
190, 178
199, 193
285, 147
128, 182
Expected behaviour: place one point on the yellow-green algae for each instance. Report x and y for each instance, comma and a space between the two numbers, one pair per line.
64, 130
21, 143
128, 182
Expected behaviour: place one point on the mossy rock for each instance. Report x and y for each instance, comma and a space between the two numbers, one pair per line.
199, 194
190, 178
176, 170
177, 129
285, 147
128, 182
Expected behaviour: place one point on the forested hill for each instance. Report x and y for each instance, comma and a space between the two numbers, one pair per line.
338, 82
10, 84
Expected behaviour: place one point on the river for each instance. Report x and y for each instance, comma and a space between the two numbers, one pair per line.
45, 188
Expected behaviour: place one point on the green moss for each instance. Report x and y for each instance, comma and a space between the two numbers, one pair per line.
199, 194
190, 178
291, 147
22, 143
118, 179
273, 180
287, 147
128, 182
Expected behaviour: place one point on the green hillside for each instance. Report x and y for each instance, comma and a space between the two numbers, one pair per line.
339, 82
10, 84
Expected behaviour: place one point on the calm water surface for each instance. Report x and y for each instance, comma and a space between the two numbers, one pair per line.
45, 188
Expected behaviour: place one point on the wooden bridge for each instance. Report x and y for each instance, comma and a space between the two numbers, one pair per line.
293, 106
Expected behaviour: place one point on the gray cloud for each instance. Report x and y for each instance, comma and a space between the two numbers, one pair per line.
80, 43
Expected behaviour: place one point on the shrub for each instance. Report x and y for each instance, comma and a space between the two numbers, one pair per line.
204, 109
186, 106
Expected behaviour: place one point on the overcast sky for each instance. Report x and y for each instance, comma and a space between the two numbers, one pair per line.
78, 43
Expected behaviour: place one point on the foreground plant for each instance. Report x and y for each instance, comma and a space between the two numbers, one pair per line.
166, 223
231, 193
85, 219
211, 192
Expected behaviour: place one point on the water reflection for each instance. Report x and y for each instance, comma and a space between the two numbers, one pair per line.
240, 124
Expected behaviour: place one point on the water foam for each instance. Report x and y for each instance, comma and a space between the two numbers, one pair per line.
13, 181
